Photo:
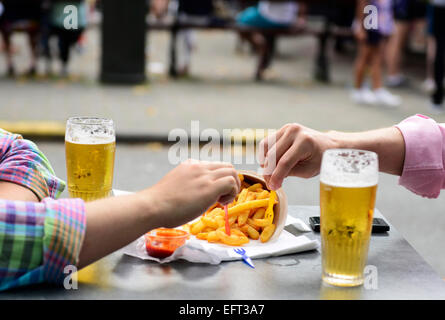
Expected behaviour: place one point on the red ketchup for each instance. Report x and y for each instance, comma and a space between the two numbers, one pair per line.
161, 243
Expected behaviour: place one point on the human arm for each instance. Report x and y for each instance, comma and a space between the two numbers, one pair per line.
183, 194
13, 191
298, 150
414, 149
39, 240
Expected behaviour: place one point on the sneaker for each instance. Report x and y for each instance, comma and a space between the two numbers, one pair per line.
428, 85
436, 108
363, 96
386, 98
397, 80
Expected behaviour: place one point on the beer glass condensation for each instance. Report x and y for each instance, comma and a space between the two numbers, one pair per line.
90, 145
348, 185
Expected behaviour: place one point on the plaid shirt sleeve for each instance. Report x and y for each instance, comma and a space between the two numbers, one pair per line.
21, 162
38, 240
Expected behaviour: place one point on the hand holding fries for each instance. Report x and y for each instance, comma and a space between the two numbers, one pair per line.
250, 216
190, 188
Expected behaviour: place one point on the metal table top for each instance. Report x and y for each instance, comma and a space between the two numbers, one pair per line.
401, 274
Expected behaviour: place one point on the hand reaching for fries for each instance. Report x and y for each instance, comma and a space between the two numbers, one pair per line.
192, 187
250, 217
294, 150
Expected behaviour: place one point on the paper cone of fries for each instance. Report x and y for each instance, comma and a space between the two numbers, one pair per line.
280, 209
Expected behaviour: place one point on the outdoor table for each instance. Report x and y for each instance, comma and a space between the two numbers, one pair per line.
402, 274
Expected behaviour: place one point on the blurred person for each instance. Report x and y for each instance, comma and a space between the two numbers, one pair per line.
20, 16
429, 85
66, 38
2, 9
71, 232
269, 15
412, 149
370, 56
192, 11
407, 14
186, 11
343, 16
439, 63
158, 7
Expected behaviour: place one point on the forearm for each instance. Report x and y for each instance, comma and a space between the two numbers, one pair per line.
13, 191
182, 195
388, 143
115, 222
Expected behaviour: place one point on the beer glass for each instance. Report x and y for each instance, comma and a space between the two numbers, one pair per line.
348, 185
90, 145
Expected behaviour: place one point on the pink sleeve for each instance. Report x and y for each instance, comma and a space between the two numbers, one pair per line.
424, 167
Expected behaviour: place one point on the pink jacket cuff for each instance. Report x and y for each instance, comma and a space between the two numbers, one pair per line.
423, 169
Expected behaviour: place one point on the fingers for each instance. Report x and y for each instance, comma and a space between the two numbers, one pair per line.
279, 144
227, 188
226, 172
267, 143
267, 179
284, 165
298, 152
276, 152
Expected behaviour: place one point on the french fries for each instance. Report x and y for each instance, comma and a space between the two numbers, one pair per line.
249, 218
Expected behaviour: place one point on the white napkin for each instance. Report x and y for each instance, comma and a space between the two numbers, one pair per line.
201, 251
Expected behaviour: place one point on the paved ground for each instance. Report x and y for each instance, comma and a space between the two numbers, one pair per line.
222, 95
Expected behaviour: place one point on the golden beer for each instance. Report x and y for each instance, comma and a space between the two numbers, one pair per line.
90, 150
90, 169
347, 200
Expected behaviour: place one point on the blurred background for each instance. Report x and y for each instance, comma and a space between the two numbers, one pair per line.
156, 65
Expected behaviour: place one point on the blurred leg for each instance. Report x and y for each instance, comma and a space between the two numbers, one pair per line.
376, 66
439, 35
361, 62
8, 52
67, 38
185, 40
430, 54
439, 70
33, 34
395, 48
270, 50
259, 42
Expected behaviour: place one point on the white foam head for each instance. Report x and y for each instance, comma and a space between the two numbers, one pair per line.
349, 168
86, 130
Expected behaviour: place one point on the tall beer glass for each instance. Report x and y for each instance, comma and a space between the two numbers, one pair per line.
348, 185
90, 145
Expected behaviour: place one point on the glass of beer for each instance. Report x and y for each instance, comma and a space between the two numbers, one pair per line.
90, 145
348, 185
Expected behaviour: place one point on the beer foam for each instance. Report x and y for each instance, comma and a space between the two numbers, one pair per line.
90, 131
349, 168
89, 139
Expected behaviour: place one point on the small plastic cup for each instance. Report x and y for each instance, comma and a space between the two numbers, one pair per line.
161, 243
